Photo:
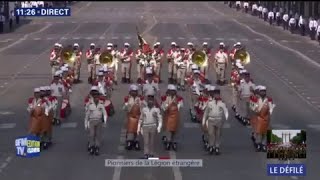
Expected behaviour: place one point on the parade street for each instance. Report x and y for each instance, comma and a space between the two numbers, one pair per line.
287, 65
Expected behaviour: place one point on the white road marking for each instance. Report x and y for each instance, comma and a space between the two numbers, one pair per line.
244, 39
114, 37
102, 37
50, 38
258, 39
181, 38
6, 113
280, 126
314, 126
73, 22
89, 38
24, 37
219, 39
64, 38
3, 165
69, 125
167, 38
294, 177
7, 125
176, 170
76, 38
1, 86
232, 39
207, 38
283, 40
193, 38
117, 170
127, 37
4, 41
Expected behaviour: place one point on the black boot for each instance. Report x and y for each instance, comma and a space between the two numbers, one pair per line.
137, 145
168, 146
129, 145
96, 151
54, 120
45, 145
88, 147
258, 147
58, 122
91, 150
174, 146
123, 80
253, 138
234, 108
211, 150
217, 151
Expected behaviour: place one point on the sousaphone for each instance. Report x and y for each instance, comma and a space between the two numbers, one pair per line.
68, 56
199, 58
243, 55
106, 58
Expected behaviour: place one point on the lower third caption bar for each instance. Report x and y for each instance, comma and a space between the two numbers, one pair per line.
153, 163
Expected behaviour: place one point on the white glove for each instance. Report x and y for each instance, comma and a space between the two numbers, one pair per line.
159, 129
70, 90
86, 125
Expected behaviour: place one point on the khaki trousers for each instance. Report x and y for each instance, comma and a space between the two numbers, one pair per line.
125, 69
77, 68
158, 69
181, 74
95, 132
56, 113
139, 75
170, 69
244, 106
54, 69
204, 70
90, 68
214, 132
221, 71
175, 71
149, 134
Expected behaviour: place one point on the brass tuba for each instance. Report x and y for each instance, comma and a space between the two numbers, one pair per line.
68, 56
106, 58
199, 58
243, 55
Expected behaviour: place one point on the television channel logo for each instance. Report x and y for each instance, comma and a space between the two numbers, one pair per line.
27, 146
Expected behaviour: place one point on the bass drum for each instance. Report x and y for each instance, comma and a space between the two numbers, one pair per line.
133, 119
109, 107
171, 118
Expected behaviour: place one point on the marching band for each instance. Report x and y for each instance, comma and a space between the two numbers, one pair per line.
150, 112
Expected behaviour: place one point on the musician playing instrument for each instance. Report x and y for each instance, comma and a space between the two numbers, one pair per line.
77, 63
157, 55
133, 103
140, 58
182, 63
58, 91
195, 87
151, 84
221, 62
97, 64
126, 60
213, 118
233, 51
265, 108
245, 90
235, 81
205, 68
100, 82
55, 59
171, 105
170, 59
90, 59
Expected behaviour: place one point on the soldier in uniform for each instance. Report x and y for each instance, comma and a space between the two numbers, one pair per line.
116, 54
58, 91
101, 84
126, 57
213, 119
157, 55
245, 90
150, 123
253, 103
90, 60
133, 103
221, 62
95, 117
205, 68
140, 56
170, 57
264, 103
77, 62
200, 106
55, 59
150, 85
182, 61
171, 104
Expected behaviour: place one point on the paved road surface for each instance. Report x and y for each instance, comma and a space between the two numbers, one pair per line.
292, 80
